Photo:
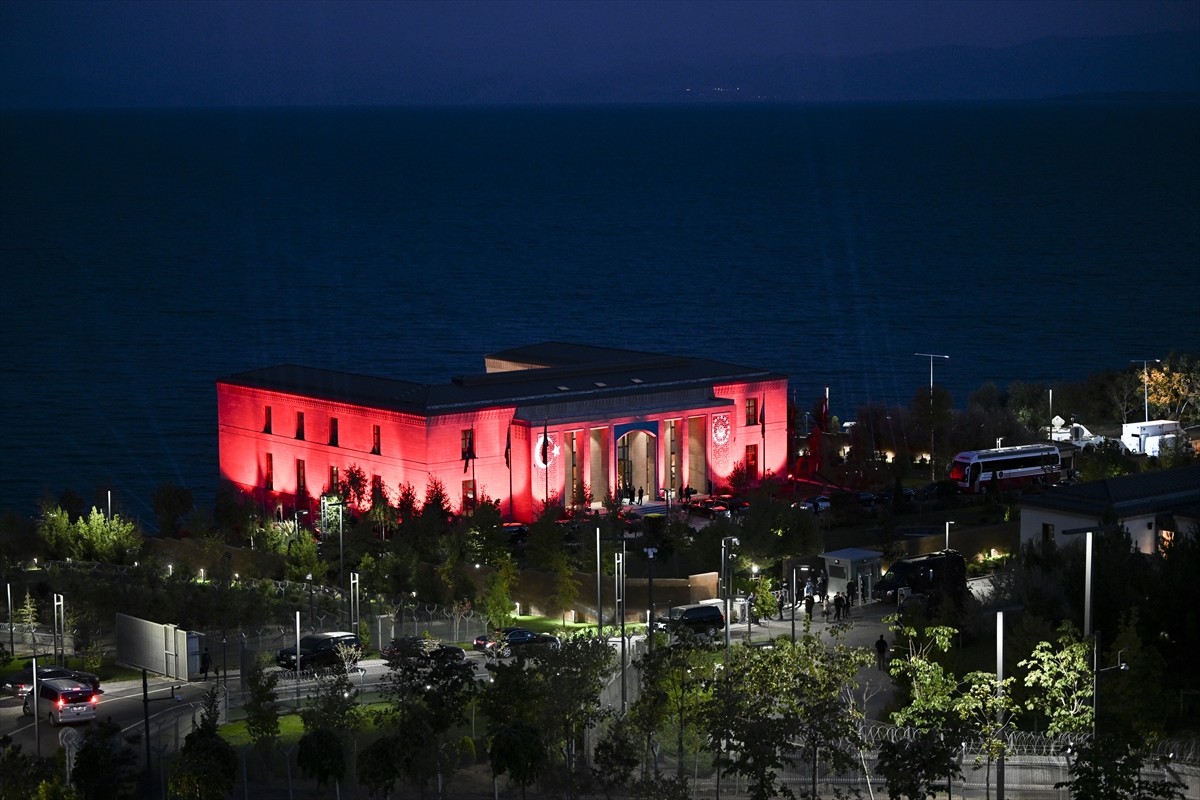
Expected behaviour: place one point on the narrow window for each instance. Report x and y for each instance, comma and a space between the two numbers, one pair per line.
751, 410
299, 424
375, 440
269, 477
1047, 532
333, 479
267, 419
468, 494
301, 483
333, 432
752, 460
464, 444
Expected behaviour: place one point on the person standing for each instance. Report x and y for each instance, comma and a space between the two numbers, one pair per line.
851, 593
205, 664
641, 494
881, 650
838, 604
808, 605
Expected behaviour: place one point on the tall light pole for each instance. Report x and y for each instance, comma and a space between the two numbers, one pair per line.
948, 524
726, 543
931, 357
1145, 379
1087, 572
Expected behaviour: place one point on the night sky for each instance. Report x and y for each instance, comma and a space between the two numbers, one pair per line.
272, 52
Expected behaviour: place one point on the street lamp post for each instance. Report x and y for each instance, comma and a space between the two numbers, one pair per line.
650, 553
1096, 670
1087, 572
931, 357
726, 543
1145, 380
948, 524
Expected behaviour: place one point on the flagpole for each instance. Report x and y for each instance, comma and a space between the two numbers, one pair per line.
762, 420
546, 458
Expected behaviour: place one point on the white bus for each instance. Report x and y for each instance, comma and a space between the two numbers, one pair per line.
977, 471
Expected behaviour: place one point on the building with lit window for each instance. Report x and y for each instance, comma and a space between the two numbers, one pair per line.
550, 421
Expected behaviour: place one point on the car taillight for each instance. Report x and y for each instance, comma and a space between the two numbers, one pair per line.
95, 699
61, 703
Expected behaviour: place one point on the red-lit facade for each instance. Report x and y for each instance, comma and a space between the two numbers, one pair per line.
541, 421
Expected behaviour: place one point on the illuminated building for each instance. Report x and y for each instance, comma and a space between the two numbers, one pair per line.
541, 421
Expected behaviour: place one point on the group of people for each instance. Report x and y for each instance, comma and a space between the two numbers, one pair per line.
839, 604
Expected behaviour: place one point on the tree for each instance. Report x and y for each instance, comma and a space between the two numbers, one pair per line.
986, 706
616, 755
21, 775
106, 767
207, 763
517, 750
321, 756
1109, 768
912, 766
171, 504
1174, 387
1062, 678
262, 713
333, 705
496, 602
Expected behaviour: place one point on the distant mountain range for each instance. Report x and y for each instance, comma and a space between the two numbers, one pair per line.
1162, 64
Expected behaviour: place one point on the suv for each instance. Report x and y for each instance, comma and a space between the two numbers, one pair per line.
63, 701
318, 650
18, 684
697, 619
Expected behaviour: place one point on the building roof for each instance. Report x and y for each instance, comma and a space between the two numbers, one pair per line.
1126, 496
572, 373
854, 554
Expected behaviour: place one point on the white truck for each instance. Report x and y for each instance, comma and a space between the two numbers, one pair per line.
1076, 434
1148, 437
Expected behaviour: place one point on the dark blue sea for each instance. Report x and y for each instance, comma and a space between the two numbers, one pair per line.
146, 254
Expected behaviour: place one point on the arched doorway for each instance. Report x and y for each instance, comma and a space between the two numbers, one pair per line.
637, 459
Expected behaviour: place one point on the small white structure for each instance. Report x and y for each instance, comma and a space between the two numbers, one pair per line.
1076, 434
1148, 437
852, 565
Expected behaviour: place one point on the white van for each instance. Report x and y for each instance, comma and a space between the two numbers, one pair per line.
63, 701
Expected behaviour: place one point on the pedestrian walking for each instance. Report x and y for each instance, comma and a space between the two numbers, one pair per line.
205, 664
808, 605
825, 608
881, 651
641, 494
839, 603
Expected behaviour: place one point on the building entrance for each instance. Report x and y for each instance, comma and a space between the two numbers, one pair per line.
637, 464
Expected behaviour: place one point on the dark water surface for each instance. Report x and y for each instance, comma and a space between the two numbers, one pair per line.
146, 254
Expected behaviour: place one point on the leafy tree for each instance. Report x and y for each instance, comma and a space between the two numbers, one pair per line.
207, 763
333, 705
260, 708
496, 602
1132, 700
913, 766
428, 690
616, 755
1109, 768
303, 559
171, 504
27, 613
986, 706
517, 749
1173, 387
106, 767
321, 756
21, 775
574, 676
1062, 679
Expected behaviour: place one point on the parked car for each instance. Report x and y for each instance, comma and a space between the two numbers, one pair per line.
63, 701
18, 684
816, 503
318, 651
407, 647
697, 619
513, 641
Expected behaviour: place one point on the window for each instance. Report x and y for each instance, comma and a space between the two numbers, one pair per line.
1047, 532
301, 483
751, 410
333, 432
299, 424
375, 440
752, 460
267, 419
333, 479
269, 470
468, 494
377, 496
464, 444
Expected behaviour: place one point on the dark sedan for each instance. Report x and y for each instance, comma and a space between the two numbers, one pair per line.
511, 641
19, 684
